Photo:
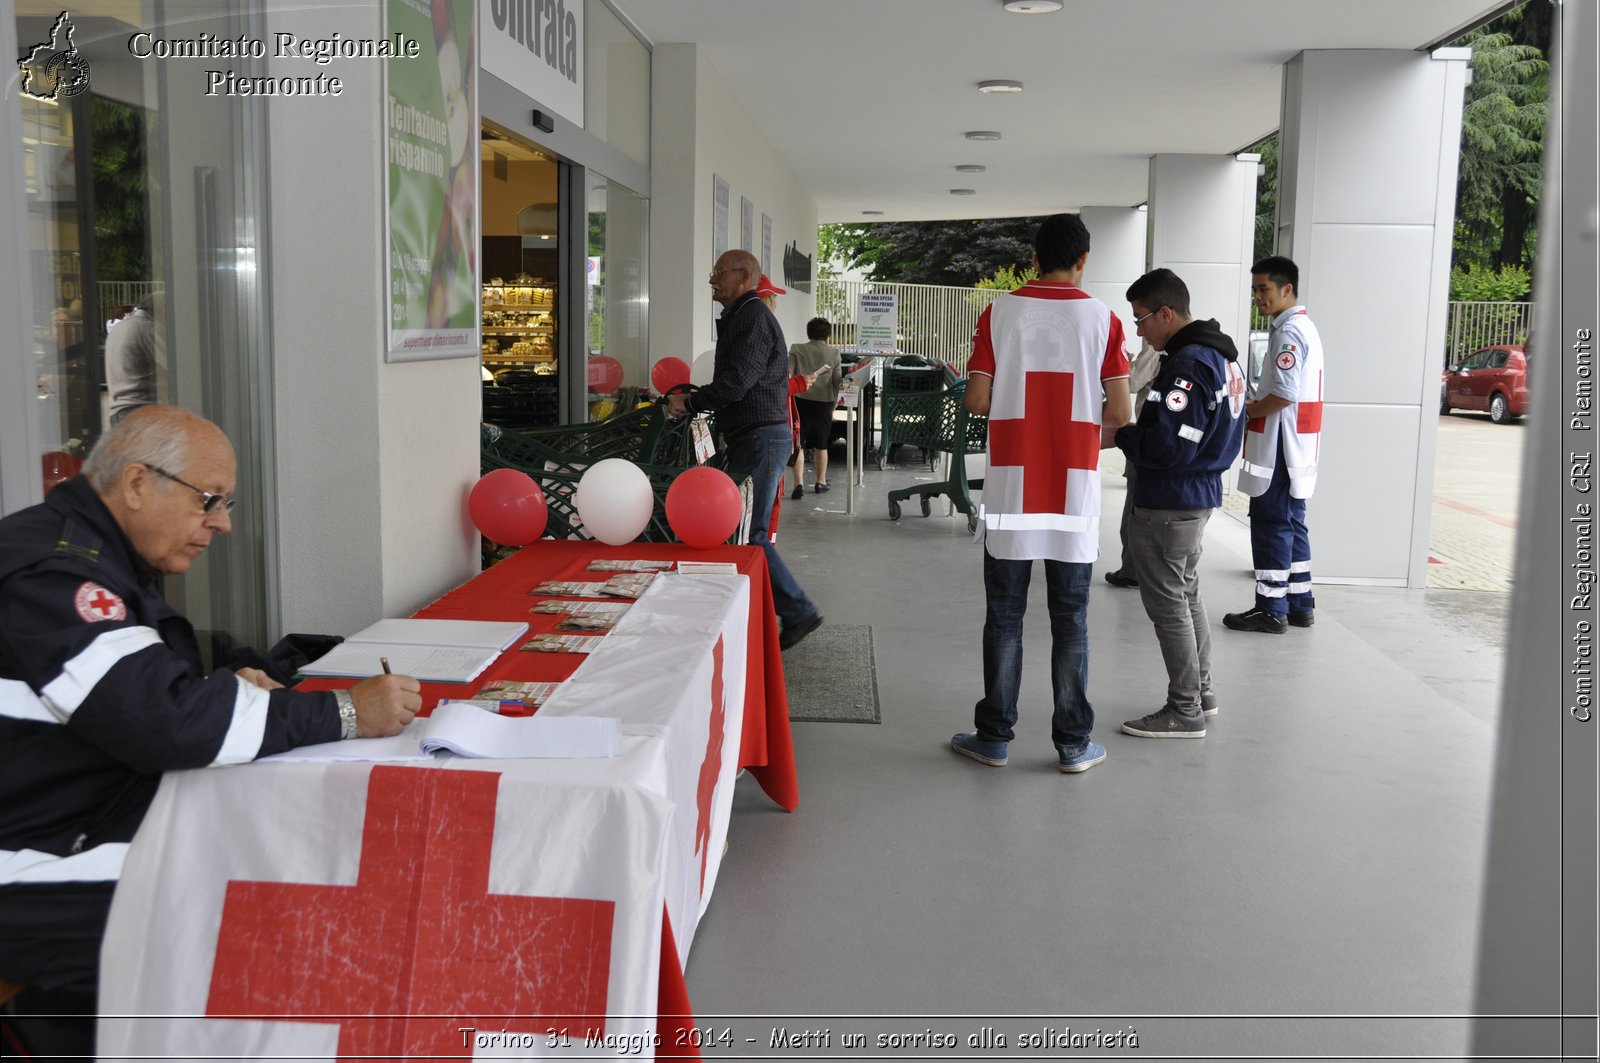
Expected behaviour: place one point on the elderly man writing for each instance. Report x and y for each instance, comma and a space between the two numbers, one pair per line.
104, 688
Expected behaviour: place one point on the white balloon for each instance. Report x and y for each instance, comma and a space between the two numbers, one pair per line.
614, 500
703, 369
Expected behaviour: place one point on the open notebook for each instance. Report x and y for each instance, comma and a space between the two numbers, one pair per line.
466, 730
434, 651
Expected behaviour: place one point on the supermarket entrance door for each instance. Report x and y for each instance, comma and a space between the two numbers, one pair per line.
521, 273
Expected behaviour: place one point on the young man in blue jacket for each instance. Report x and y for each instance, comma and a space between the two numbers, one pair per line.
1187, 434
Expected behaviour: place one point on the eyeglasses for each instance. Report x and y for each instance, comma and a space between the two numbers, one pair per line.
209, 501
1141, 320
728, 269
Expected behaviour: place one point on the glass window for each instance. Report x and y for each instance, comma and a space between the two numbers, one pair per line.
616, 295
618, 84
142, 221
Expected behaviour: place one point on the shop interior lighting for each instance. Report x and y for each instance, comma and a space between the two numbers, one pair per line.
969, 167
1032, 7
981, 134
994, 85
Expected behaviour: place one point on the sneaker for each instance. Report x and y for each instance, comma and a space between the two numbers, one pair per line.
791, 634
1302, 617
799, 491
984, 752
1208, 703
1165, 724
1256, 620
1082, 759
822, 489
1122, 579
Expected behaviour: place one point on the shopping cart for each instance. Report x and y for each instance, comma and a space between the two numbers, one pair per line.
956, 433
633, 434
910, 415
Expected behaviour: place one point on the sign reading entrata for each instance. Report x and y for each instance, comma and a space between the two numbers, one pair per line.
536, 47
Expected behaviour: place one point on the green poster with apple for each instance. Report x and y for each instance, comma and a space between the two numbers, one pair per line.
430, 104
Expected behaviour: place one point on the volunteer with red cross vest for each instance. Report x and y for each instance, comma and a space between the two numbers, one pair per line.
1186, 437
1282, 443
103, 688
1049, 369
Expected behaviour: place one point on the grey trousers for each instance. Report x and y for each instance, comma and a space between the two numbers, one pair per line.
1166, 544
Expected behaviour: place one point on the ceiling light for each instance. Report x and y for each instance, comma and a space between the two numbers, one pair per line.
971, 168
963, 191
1032, 7
873, 213
1000, 85
981, 134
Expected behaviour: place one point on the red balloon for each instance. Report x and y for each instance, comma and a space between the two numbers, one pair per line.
669, 373
703, 507
508, 507
58, 467
605, 374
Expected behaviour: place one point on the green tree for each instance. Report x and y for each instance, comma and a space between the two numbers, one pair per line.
121, 196
1266, 197
1502, 139
957, 253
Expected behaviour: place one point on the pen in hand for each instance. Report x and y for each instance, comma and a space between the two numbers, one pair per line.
385, 662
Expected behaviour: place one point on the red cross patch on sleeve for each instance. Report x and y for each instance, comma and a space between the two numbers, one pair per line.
1177, 401
1286, 360
94, 603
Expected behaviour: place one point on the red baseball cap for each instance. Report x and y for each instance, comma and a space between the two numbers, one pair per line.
766, 288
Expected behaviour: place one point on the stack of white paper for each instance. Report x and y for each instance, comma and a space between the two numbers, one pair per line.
434, 651
468, 731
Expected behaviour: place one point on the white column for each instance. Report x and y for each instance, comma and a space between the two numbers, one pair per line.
1202, 227
1117, 237
1366, 199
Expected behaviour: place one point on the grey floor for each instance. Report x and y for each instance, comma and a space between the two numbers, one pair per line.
1317, 854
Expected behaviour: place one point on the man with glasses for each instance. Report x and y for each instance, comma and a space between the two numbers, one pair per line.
1187, 434
749, 393
102, 688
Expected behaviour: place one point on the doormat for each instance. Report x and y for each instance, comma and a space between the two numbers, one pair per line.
832, 676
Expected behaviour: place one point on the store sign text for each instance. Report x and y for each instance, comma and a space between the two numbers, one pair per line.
545, 27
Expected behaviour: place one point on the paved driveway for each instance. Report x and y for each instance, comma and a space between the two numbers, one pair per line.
1477, 481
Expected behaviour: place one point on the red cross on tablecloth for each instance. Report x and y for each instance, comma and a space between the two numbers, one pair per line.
711, 766
417, 948
1045, 441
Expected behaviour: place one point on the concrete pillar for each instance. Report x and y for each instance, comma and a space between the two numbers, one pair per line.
1117, 238
1370, 144
1202, 227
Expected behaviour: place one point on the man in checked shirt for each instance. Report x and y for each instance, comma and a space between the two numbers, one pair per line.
749, 393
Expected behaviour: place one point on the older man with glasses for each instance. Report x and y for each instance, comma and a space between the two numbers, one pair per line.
749, 393
102, 689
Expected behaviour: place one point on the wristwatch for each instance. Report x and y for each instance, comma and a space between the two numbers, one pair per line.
347, 714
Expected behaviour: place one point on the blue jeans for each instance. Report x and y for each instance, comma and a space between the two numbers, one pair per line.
1281, 548
1005, 585
761, 454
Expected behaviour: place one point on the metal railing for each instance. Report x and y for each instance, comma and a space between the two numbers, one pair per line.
931, 320
125, 293
1475, 325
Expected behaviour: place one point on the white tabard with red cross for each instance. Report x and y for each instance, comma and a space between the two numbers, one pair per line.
1041, 491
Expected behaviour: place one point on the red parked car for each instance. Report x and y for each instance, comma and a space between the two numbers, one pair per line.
1493, 379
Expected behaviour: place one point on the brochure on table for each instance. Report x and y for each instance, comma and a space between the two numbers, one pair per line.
434, 651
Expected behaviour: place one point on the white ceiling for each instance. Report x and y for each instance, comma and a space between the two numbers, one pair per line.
867, 100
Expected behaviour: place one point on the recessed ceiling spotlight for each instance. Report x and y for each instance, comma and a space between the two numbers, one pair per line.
971, 168
1032, 7
873, 213
963, 191
1000, 85
981, 134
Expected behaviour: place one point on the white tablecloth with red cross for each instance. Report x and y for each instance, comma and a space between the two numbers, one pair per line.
458, 910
